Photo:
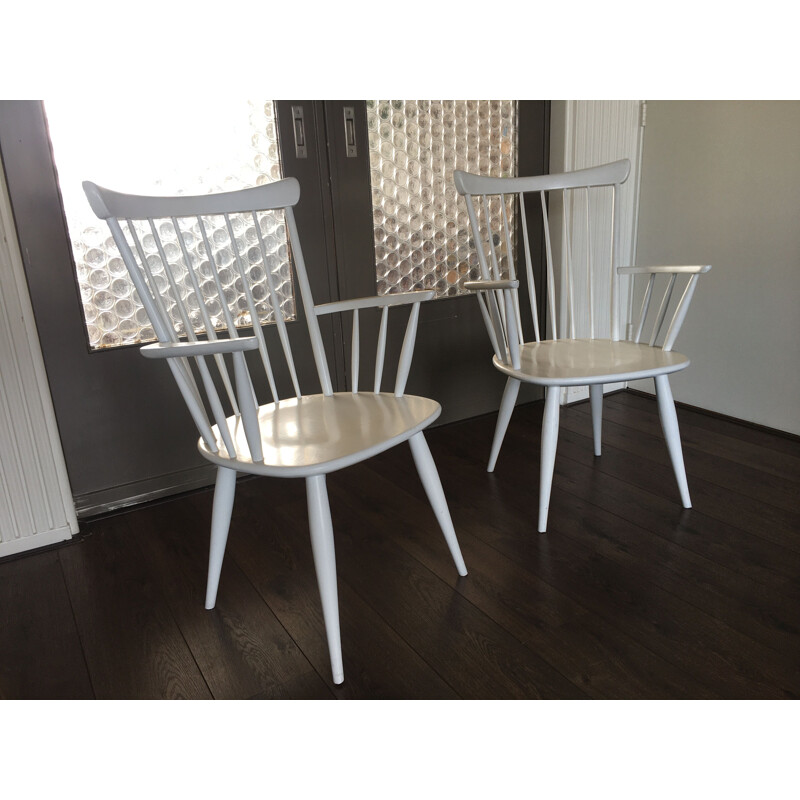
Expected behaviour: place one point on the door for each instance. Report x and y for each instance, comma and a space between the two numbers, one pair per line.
124, 428
123, 425
453, 356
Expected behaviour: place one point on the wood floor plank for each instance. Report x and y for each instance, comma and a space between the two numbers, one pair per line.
133, 647
758, 612
275, 554
702, 458
637, 604
582, 646
438, 621
240, 647
40, 653
628, 595
620, 458
308, 686
740, 549
760, 596
688, 541
762, 437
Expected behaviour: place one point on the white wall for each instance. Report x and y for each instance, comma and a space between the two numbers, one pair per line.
720, 185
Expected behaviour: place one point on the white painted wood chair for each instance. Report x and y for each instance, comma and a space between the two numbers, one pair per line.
584, 347
303, 436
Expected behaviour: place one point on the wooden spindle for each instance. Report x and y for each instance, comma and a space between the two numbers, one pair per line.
645, 308
317, 346
662, 311
160, 312
551, 291
529, 268
498, 302
251, 306
495, 330
188, 327
589, 269
511, 271
193, 402
487, 217
212, 263
380, 353
165, 333
208, 325
407, 351
273, 296
680, 313
355, 351
216, 405
244, 387
205, 376
615, 201
567, 260
487, 320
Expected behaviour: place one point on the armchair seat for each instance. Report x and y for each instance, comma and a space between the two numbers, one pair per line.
318, 434
581, 362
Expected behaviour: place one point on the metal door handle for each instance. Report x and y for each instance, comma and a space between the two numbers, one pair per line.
350, 132
299, 125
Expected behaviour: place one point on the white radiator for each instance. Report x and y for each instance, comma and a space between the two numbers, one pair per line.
36, 507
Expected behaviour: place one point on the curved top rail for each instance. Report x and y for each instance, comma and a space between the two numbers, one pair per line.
605, 175
108, 204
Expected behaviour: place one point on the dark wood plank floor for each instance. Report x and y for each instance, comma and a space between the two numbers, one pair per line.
627, 596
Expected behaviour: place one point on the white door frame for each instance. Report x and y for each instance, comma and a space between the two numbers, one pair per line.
585, 133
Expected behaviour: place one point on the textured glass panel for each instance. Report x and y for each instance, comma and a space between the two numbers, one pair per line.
422, 233
166, 147
188, 287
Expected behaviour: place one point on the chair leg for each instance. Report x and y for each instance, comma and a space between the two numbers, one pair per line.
503, 417
596, 400
224, 492
669, 424
319, 520
433, 488
548, 457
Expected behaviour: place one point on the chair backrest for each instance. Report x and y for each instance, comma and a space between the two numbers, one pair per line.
580, 216
189, 294
581, 258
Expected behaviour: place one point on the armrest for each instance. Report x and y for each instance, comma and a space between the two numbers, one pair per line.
185, 349
657, 270
482, 286
401, 298
693, 273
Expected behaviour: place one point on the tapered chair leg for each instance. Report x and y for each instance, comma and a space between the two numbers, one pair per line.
669, 424
433, 488
548, 457
596, 401
224, 492
319, 520
503, 417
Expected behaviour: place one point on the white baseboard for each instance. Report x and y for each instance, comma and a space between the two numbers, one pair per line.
117, 497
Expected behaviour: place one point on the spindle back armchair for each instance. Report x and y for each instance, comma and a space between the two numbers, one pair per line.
580, 342
194, 301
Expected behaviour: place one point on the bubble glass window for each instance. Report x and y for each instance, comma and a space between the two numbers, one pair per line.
161, 147
421, 227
